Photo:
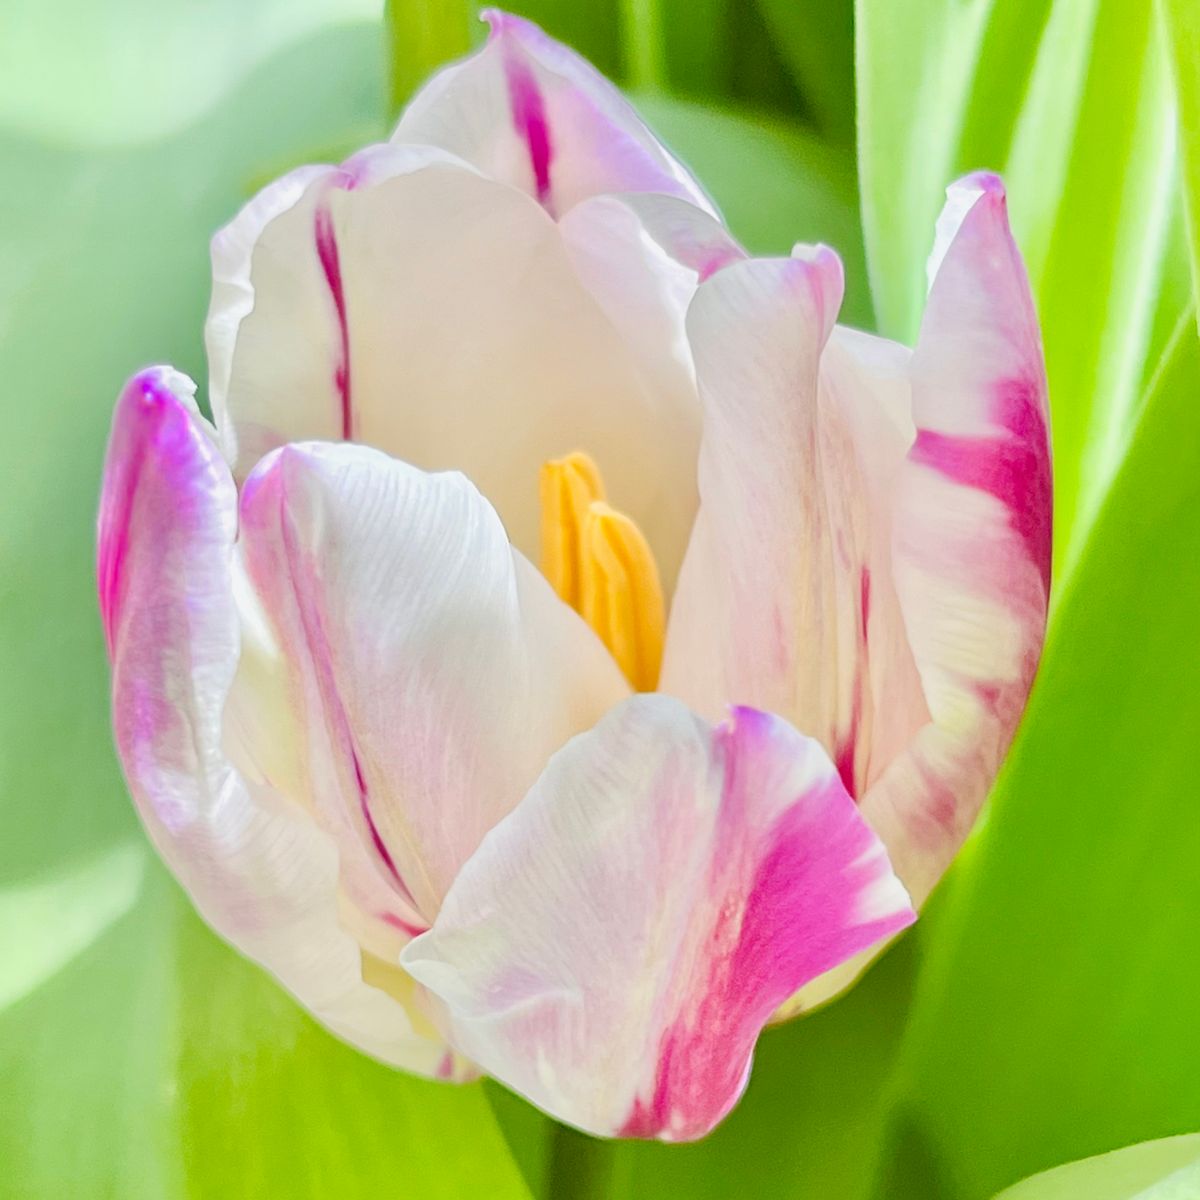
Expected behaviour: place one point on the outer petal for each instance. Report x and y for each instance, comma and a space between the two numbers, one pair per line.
972, 536
617, 943
882, 577
530, 112
435, 669
257, 867
409, 303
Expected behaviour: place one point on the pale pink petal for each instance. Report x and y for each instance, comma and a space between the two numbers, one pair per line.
530, 112
434, 668
972, 534
776, 589
616, 944
872, 554
787, 595
408, 303
257, 867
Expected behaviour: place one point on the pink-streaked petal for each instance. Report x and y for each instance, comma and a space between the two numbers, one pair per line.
840, 456
866, 395
232, 297
888, 522
417, 307
258, 869
769, 610
434, 668
972, 534
528, 111
277, 330
616, 944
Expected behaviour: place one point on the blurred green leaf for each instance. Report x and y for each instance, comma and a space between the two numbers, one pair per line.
816, 39
1055, 1012
70, 909
810, 1121
697, 46
642, 43
775, 184
593, 29
1054, 1004
1183, 25
1164, 1170
421, 36
140, 1058
159, 1064
74, 73
1071, 101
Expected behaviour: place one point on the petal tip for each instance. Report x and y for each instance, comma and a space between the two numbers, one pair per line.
502, 24
981, 192
157, 387
979, 183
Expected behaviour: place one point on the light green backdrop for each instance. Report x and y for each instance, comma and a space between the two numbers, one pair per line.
1046, 1007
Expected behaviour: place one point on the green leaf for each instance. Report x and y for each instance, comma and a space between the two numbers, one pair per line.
593, 29
1164, 1170
816, 39
74, 907
1054, 1005
1182, 19
141, 1057
809, 1123
1055, 1014
422, 35
642, 42
697, 46
1071, 101
159, 1064
116, 73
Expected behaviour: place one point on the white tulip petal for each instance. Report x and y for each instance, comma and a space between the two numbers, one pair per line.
258, 868
434, 668
528, 111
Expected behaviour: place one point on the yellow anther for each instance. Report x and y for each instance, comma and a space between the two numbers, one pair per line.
599, 562
622, 596
568, 487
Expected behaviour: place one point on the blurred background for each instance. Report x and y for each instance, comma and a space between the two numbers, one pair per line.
1045, 1009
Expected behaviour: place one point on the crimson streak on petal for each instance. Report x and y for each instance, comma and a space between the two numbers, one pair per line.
528, 110
1010, 465
806, 909
327, 252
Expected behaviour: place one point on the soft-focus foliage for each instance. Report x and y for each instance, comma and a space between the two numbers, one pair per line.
1070, 101
1043, 1011
1168, 1169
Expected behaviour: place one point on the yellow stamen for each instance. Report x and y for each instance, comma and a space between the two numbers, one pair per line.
599, 562
568, 486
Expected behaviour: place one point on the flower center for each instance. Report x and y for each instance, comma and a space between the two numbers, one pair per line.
600, 563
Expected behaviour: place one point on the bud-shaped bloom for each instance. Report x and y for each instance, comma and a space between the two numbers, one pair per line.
537, 664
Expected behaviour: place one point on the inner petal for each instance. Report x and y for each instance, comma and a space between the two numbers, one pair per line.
600, 563
437, 315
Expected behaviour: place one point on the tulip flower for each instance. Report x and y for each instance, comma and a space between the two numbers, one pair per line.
532, 665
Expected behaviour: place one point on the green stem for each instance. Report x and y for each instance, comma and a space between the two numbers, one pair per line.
642, 41
421, 36
581, 1167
